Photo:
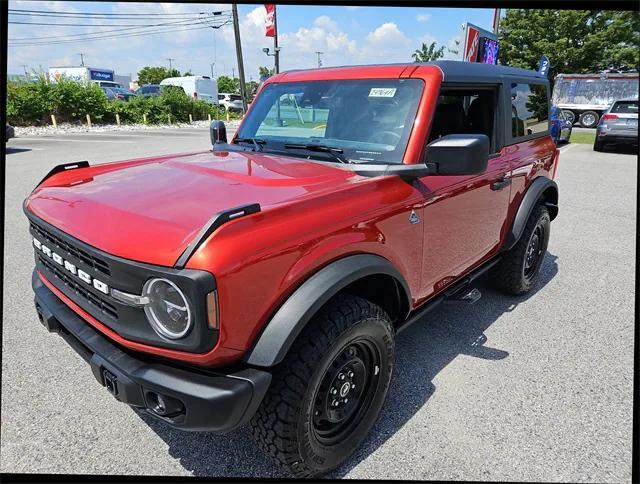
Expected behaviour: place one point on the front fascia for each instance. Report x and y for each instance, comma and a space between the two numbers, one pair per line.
124, 323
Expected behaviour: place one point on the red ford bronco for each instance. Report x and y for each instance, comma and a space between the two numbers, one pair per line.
263, 281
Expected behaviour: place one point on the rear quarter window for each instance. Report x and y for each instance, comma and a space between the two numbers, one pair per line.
529, 109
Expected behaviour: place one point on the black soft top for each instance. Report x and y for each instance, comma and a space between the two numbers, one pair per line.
457, 71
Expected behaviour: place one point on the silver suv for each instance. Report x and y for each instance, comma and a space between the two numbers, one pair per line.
230, 102
619, 124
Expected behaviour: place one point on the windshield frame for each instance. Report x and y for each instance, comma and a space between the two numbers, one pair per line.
390, 155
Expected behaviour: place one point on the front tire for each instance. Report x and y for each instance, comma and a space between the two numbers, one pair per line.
517, 272
328, 392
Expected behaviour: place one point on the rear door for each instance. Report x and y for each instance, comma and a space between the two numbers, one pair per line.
464, 216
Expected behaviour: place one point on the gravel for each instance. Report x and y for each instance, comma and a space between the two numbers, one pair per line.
65, 128
535, 388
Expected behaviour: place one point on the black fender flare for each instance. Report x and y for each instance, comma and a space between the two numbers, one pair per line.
530, 199
294, 314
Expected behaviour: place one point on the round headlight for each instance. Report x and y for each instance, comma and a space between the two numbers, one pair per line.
168, 310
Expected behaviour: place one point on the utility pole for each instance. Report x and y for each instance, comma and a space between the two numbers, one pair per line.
211, 65
170, 59
233, 73
276, 49
81, 54
24, 66
496, 20
236, 30
319, 60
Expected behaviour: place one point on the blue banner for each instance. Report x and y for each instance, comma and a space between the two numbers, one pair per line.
543, 70
101, 75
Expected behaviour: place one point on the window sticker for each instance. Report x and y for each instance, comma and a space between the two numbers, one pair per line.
382, 92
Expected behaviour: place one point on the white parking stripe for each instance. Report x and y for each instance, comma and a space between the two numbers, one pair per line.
566, 148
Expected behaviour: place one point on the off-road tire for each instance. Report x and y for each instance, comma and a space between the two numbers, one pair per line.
283, 426
509, 274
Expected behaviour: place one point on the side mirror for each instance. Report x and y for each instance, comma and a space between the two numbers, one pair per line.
459, 154
218, 132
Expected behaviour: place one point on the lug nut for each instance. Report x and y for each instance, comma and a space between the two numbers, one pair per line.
345, 400
333, 391
335, 403
340, 376
350, 374
353, 386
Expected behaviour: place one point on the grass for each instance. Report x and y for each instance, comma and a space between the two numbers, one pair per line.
583, 137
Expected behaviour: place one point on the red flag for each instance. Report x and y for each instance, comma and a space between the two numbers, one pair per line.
270, 23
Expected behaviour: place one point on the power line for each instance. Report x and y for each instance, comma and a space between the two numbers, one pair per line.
85, 25
39, 13
112, 36
179, 22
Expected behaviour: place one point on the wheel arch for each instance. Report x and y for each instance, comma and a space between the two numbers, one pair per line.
542, 190
366, 275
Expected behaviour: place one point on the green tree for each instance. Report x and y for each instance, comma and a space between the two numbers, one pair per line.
426, 54
153, 75
265, 72
575, 41
226, 84
456, 49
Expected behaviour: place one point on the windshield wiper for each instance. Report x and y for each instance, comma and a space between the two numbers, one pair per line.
257, 142
335, 152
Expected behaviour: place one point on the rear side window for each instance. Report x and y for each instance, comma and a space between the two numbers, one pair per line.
625, 107
529, 109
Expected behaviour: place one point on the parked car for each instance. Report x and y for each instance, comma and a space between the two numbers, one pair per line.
263, 282
118, 93
198, 87
619, 125
559, 125
149, 90
230, 102
9, 133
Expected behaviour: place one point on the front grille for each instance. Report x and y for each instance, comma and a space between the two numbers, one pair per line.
76, 287
92, 261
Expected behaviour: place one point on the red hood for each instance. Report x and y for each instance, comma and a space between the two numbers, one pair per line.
149, 210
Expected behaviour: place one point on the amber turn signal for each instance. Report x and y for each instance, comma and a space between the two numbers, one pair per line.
212, 310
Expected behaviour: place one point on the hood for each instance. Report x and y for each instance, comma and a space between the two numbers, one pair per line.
149, 210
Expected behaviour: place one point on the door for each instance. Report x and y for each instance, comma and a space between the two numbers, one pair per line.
464, 216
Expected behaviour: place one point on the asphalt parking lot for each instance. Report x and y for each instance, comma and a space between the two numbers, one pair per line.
537, 388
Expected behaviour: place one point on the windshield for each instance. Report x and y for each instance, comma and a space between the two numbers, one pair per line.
149, 89
119, 90
626, 107
370, 120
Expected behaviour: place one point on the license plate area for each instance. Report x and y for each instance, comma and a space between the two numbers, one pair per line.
110, 382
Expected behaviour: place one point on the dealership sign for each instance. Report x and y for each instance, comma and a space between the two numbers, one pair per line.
479, 45
471, 44
101, 75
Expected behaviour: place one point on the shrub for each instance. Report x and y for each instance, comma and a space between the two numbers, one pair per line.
31, 103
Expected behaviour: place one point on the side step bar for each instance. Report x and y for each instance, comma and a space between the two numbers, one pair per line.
459, 292
216, 221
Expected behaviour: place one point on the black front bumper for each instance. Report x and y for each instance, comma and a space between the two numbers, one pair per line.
202, 400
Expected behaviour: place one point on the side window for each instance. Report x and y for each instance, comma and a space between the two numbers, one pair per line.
529, 109
465, 111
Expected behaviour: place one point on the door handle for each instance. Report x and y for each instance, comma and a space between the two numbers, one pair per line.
500, 184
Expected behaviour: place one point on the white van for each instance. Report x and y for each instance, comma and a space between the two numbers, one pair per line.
198, 87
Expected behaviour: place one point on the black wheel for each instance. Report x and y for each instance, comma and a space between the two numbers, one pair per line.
589, 119
598, 145
327, 393
517, 271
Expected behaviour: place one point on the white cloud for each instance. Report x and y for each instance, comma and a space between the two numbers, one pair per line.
423, 17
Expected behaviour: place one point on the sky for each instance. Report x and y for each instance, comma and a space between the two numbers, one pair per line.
345, 35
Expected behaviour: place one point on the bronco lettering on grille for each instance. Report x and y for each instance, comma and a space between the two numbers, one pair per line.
71, 268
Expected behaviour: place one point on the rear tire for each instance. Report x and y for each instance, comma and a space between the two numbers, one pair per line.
570, 116
589, 119
328, 391
518, 270
598, 145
